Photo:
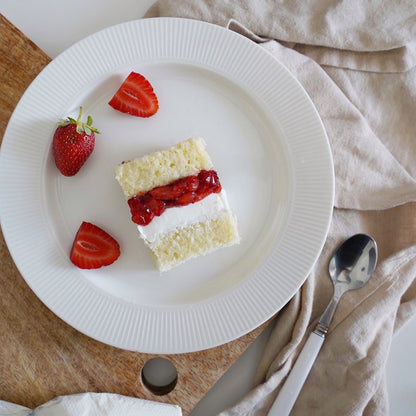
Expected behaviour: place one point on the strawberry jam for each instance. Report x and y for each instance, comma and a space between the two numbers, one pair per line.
183, 191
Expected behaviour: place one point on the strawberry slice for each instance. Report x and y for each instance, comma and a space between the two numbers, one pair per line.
135, 97
93, 247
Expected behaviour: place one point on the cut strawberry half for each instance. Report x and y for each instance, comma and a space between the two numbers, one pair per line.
135, 97
93, 247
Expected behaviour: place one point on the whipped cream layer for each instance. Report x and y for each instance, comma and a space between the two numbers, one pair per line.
211, 207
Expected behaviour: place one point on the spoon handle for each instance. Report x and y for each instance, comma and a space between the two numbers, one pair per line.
295, 380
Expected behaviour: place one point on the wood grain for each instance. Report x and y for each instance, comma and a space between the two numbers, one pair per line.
42, 357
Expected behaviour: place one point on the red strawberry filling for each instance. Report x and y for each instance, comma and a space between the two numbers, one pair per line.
183, 191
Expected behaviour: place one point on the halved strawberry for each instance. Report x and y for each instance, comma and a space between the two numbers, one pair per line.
135, 97
93, 247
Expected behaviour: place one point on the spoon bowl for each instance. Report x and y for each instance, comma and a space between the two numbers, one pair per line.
354, 262
349, 268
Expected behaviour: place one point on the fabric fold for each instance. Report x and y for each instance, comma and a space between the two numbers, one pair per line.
93, 404
346, 24
364, 166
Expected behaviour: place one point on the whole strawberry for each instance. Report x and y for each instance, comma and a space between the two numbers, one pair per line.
73, 142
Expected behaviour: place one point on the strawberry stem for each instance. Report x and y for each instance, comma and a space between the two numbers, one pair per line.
79, 115
82, 127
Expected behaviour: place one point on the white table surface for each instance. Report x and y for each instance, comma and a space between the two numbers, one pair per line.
56, 25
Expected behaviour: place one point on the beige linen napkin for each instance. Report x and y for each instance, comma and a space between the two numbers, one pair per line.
357, 61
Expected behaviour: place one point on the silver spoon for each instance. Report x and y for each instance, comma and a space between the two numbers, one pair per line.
350, 268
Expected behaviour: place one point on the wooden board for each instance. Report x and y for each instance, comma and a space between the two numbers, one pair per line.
42, 357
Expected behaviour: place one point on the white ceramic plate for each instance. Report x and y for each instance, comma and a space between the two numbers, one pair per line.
266, 141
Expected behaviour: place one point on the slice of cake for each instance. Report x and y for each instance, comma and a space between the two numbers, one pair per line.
178, 203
